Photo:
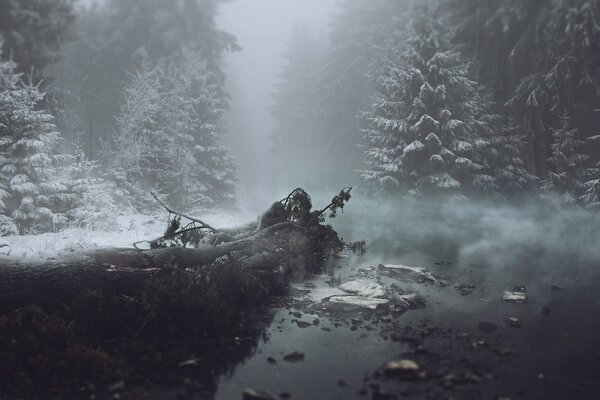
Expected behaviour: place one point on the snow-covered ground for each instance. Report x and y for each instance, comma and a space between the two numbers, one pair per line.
127, 230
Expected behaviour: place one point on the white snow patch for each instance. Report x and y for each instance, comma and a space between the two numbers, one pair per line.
363, 288
127, 230
319, 288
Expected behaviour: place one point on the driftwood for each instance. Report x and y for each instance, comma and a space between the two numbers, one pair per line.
289, 240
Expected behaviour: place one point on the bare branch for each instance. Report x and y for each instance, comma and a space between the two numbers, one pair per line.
203, 224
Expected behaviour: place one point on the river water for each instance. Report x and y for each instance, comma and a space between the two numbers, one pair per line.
554, 354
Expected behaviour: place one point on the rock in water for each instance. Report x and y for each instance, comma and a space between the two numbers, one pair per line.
357, 301
464, 289
253, 394
294, 356
514, 297
410, 274
364, 288
404, 369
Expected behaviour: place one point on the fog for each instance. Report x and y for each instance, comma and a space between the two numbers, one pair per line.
336, 199
263, 28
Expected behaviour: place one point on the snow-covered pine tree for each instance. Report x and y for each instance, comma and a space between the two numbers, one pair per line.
591, 196
29, 190
196, 103
566, 176
425, 128
169, 135
98, 199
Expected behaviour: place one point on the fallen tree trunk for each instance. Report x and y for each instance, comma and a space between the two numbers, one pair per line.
53, 283
106, 315
282, 243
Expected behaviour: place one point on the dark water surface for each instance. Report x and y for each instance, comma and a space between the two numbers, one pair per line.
555, 354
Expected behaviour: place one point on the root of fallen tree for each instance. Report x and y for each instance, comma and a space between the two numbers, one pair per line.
111, 314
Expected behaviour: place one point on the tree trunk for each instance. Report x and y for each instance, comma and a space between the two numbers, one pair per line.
51, 284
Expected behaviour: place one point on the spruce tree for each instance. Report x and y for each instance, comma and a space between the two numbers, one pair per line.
29, 190
591, 196
426, 129
33, 31
169, 135
566, 176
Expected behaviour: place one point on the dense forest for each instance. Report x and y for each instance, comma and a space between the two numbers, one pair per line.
103, 104
493, 99
473, 99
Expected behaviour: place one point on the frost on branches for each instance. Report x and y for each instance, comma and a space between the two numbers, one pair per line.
168, 136
427, 130
29, 191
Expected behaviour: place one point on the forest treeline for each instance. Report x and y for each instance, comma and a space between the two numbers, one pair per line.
471, 98
101, 105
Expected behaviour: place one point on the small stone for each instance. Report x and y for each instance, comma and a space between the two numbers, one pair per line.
514, 297
189, 363
342, 383
503, 352
253, 394
294, 356
556, 288
464, 289
285, 395
271, 360
513, 322
302, 324
116, 386
404, 369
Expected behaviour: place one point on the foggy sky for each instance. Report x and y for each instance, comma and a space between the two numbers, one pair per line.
263, 28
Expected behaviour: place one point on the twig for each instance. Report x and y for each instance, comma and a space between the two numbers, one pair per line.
199, 221
347, 189
170, 236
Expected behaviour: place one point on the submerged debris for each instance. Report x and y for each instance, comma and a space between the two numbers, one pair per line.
461, 379
409, 301
294, 356
464, 289
302, 324
410, 274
